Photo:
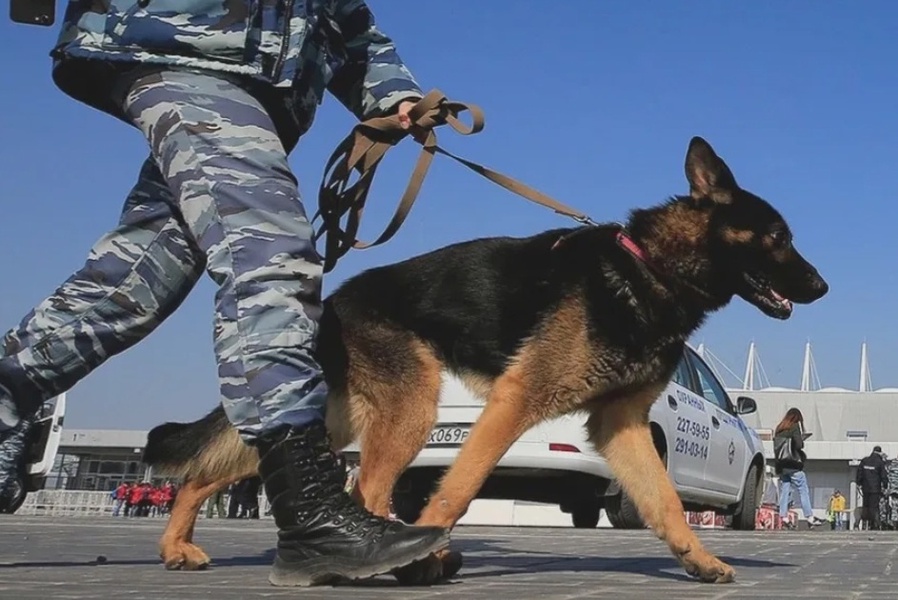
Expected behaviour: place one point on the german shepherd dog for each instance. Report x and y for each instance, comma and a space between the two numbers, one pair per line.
588, 319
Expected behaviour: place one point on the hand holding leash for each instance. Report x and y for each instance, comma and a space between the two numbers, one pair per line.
404, 108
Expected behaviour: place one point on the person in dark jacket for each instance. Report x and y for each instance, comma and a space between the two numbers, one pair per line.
249, 500
221, 92
871, 479
788, 443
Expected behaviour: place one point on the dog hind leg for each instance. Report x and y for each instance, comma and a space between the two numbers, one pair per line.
393, 407
619, 430
176, 547
504, 419
395, 419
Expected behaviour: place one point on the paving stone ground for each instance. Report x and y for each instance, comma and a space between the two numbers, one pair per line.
56, 558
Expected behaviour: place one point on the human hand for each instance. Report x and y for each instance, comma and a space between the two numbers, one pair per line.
404, 107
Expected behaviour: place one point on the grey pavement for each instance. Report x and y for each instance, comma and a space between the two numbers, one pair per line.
44, 557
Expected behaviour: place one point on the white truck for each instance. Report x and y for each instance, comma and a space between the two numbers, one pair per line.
714, 459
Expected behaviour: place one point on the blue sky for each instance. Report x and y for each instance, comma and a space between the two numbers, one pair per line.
591, 102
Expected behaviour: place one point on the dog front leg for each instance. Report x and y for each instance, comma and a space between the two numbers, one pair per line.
619, 430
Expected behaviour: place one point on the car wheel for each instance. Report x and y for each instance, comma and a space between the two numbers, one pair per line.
14, 497
613, 514
586, 516
622, 512
744, 516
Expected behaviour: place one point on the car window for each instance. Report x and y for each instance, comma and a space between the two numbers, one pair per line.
708, 385
682, 376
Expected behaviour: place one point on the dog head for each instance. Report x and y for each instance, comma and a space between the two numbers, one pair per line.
750, 250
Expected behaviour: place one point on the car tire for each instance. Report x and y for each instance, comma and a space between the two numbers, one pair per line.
622, 512
745, 513
586, 516
613, 514
14, 497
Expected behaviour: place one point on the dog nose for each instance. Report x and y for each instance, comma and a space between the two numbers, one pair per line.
820, 287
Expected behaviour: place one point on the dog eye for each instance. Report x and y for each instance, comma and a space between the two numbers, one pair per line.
781, 237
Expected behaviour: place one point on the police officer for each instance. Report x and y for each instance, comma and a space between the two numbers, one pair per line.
872, 478
222, 91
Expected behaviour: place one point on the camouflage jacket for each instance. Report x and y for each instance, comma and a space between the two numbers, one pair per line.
312, 45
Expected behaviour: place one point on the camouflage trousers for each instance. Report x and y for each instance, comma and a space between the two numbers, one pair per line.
216, 195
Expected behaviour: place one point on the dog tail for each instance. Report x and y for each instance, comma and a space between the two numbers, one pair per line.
207, 450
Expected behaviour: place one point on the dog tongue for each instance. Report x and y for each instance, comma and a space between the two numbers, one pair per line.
780, 299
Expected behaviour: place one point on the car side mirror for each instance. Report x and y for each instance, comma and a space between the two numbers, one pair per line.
746, 405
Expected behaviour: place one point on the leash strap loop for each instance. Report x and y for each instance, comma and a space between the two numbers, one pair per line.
360, 154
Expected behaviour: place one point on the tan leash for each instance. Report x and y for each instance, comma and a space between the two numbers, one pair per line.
361, 152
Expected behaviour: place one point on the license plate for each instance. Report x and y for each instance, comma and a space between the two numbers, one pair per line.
448, 435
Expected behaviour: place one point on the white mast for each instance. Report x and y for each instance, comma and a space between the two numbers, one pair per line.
809, 378
806, 368
866, 383
748, 382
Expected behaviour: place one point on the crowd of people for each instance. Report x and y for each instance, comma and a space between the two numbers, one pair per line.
143, 499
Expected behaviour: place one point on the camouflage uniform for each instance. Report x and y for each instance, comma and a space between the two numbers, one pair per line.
231, 86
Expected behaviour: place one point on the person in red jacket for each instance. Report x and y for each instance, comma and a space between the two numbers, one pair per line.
120, 499
155, 501
166, 497
140, 499
135, 495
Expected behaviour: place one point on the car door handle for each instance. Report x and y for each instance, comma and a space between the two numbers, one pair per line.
715, 422
672, 402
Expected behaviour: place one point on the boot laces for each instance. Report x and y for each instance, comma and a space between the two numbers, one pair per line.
327, 494
345, 507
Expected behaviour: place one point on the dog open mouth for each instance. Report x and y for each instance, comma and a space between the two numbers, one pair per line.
761, 294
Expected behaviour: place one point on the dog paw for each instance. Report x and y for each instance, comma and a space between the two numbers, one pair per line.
451, 562
186, 557
708, 568
437, 567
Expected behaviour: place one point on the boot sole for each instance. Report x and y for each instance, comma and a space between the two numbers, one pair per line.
330, 570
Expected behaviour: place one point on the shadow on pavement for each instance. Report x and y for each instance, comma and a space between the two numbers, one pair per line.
488, 558
650, 566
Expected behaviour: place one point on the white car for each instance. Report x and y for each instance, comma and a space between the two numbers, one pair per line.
714, 459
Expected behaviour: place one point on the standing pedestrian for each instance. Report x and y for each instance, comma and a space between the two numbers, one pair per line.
120, 494
788, 445
216, 504
872, 479
836, 509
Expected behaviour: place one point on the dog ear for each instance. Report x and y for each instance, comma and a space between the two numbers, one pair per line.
708, 175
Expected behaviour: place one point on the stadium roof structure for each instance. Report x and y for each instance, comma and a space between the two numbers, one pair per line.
755, 377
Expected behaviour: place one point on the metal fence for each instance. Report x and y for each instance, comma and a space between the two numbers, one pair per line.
67, 503
73, 503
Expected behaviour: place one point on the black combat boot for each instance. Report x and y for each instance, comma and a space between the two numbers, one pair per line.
14, 443
323, 535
